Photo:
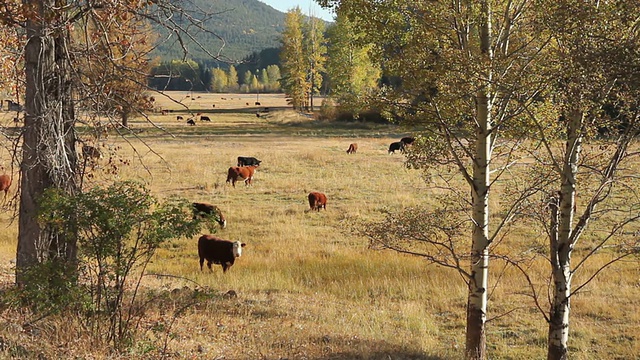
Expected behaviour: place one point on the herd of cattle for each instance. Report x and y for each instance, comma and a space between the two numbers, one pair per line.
224, 252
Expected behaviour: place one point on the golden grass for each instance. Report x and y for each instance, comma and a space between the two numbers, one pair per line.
307, 287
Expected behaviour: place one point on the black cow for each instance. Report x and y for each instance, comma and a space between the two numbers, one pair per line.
408, 140
191, 122
398, 145
248, 161
218, 251
204, 118
206, 209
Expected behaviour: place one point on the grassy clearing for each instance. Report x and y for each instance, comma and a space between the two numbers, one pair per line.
307, 287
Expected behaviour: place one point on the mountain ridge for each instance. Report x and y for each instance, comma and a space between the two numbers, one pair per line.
247, 26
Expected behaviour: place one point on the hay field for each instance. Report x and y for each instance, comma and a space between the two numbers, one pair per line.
308, 287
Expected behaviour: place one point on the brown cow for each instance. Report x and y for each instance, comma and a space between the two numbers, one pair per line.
5, 183
218, 251
317, 200
352, 148
237, 173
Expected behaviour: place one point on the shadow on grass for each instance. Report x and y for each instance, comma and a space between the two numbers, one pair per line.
316, 129
368, 349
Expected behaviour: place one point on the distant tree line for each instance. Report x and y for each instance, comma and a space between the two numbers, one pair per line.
258, 72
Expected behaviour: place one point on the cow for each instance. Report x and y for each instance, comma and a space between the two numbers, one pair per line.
13, 106
5, 183
257, 114
91, 152
206, 209
204, 118
191, 122
248, 161
218, 251
317, 200
408, 140
179, 118
352, 148
237, 173
399, 145
164, 112
257, 103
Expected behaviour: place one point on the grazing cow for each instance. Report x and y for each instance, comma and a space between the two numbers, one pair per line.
13, 106
204, 118
257, 103
213, 105
191, 122
164, 112
206, 209
237, 173
91, 152
248, 161
218, 251
408, 140
399, 145
5, 183
247, 104
317, 200
352, 148
179, 118
257, 114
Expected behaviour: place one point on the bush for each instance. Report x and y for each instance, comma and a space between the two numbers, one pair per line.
119, 229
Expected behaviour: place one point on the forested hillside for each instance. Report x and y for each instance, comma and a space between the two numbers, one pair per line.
246, 26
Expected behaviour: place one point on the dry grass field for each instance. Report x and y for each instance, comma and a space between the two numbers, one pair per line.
307, 287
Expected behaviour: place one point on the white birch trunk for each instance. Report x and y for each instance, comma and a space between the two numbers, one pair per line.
477, 300
561, 244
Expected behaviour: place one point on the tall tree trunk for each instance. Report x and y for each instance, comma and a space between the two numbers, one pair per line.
49, 158
477, 300
125, 118
561, 244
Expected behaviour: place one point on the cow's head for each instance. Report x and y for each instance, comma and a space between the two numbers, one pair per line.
237, 248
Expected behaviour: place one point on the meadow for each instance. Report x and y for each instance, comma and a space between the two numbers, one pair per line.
307, 285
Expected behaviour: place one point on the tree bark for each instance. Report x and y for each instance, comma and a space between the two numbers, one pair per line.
49, 158
476, 347
561, 244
